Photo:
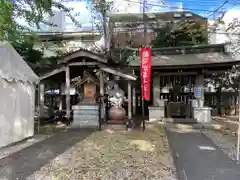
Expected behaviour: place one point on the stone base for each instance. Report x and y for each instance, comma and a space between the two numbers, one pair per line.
156, 113
203, 114
116, 122
115, 127
85, 115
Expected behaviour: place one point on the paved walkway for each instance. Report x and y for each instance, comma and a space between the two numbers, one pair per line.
22, 164
197, 158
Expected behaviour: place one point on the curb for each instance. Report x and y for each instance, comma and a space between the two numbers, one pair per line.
211, 126
195, 126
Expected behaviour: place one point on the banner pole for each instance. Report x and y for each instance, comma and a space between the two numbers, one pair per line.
143, 109
143, 114
238, 132
145, 45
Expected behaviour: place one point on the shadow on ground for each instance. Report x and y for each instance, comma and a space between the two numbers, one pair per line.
24, 163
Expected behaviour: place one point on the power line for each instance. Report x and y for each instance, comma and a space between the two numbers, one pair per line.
213, 12
171, 7
216, 10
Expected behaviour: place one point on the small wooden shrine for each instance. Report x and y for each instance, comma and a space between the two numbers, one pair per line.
93, 69
86, 112
90, 85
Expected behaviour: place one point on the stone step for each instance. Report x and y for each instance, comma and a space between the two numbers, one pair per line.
180, 120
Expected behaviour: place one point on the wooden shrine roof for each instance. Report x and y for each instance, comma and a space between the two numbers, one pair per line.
59, 73
209, 55
121, 72
81, 60
83, 53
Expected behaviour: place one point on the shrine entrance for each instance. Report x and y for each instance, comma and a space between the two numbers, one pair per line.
178, 75
178, 90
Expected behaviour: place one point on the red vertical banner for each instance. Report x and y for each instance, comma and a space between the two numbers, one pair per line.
145, 58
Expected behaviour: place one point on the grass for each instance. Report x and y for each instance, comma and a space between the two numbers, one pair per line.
104, 156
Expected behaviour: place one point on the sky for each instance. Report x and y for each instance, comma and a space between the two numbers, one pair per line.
206, 8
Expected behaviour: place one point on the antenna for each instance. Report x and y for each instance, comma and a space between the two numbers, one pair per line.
180, 7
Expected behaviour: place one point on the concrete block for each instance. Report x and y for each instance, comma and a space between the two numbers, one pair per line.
156, 113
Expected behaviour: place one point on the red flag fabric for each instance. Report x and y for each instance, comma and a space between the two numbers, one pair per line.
145, 57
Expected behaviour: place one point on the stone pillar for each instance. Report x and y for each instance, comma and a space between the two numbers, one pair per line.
102, 94
68, 100
60, 98
41, 99
134, 100
156, 89
200, 85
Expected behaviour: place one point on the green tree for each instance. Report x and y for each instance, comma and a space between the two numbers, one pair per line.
34, 57
229, 79
100, 10
20, 35
32, 12
180, 34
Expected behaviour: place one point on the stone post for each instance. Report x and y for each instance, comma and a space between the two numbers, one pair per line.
129, 100
200, 85
60, 98
41, 99
68, 100
102, 94
156, 89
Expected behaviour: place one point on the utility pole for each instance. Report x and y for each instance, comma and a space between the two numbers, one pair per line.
104, 14
102, 7
144, 23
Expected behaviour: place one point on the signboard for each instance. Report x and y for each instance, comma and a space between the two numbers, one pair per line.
145, 58
72, 90
198, 92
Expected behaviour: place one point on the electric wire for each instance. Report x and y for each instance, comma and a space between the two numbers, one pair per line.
171, 7
217, 10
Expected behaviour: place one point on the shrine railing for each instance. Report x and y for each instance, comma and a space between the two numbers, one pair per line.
178, 110
178, 105
181, 97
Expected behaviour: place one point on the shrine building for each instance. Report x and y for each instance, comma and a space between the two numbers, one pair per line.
177, 84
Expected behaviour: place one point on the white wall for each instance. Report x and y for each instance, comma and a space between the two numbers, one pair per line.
16, 112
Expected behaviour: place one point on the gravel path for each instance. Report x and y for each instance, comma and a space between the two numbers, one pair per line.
93, 155
114, 155
22, 164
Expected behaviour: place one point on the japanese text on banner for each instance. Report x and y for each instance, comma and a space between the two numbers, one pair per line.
145, 54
